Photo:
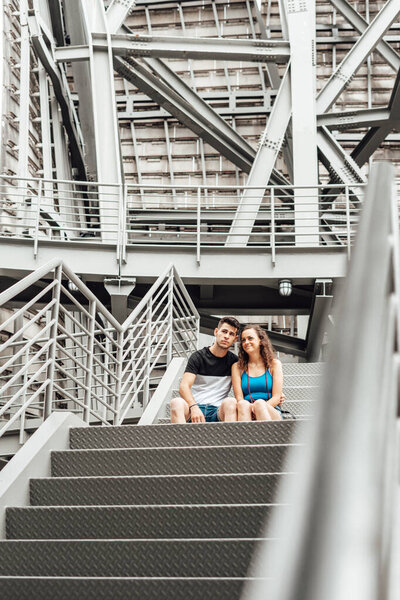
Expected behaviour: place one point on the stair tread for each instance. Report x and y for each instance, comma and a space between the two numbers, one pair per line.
128, 558
144, 522
173, 461
205, 434
120, 588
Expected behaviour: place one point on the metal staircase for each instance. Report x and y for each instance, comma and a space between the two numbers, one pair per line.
159, 511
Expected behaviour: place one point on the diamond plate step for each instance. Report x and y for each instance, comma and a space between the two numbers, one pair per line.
169, 461
302, 368
128, 558
60, 588
137, 522
210, 434
311, 380
179, 489
300, 393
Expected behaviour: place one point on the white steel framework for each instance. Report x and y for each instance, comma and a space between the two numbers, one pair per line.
103, 100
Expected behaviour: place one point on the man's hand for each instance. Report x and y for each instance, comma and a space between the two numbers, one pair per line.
196, 416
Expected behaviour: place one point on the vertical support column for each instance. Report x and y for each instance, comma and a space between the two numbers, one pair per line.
108, 152
300, 16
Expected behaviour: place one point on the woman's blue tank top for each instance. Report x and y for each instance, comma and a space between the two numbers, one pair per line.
258, 386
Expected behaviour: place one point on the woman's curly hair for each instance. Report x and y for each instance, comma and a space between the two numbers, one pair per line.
266, 349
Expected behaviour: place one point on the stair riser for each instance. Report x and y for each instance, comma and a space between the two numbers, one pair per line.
127, 559
114, 589
205, 434
169, 461
146, 522
202, 489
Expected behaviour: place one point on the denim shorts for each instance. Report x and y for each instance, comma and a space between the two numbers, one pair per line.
210, 411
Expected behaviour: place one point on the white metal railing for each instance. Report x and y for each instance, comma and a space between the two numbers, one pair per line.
62, 349
337, 539
128, 215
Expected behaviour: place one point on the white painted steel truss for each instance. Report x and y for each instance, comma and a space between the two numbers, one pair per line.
78, 116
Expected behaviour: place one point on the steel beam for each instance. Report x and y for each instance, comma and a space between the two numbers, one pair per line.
376, 135
62, 94
128, 45
354, 119
300, 17
344, 73
360, 24
117, 13
340, 165
203, 110
105, 121
186, 113
245, 265
270, 144
108, 153
193, 112
275, 80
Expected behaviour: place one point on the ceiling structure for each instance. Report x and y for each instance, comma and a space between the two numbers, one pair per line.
197, 93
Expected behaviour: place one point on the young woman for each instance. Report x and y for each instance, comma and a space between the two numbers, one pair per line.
257, 377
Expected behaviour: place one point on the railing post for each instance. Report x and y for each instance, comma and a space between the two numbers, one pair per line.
146, 374
124, 222
273, 226
36, 238
170, 315
48, 399
89, 363
348, 221
198, 239
119, 222
120, 350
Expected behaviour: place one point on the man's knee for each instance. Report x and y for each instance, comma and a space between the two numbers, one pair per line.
177, 404
229, 403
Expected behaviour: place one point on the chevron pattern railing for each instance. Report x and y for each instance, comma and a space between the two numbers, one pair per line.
62, 349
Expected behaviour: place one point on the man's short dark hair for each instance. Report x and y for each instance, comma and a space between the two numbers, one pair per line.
230, 321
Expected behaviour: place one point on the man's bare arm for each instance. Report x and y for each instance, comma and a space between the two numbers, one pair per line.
196, 416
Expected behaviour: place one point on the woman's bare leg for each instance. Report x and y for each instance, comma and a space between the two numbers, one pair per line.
260, 411
274, 414
244, 410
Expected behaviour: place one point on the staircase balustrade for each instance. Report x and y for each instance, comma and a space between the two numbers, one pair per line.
62, 349
196, 217
339, 539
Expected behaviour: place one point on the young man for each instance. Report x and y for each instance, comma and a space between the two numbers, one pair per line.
206, 382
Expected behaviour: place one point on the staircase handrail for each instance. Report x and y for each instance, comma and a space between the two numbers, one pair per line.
337, 542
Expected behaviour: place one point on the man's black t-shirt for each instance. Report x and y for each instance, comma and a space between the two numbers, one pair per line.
213, 376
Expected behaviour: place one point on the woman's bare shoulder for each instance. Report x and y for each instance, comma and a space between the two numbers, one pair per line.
276, 364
